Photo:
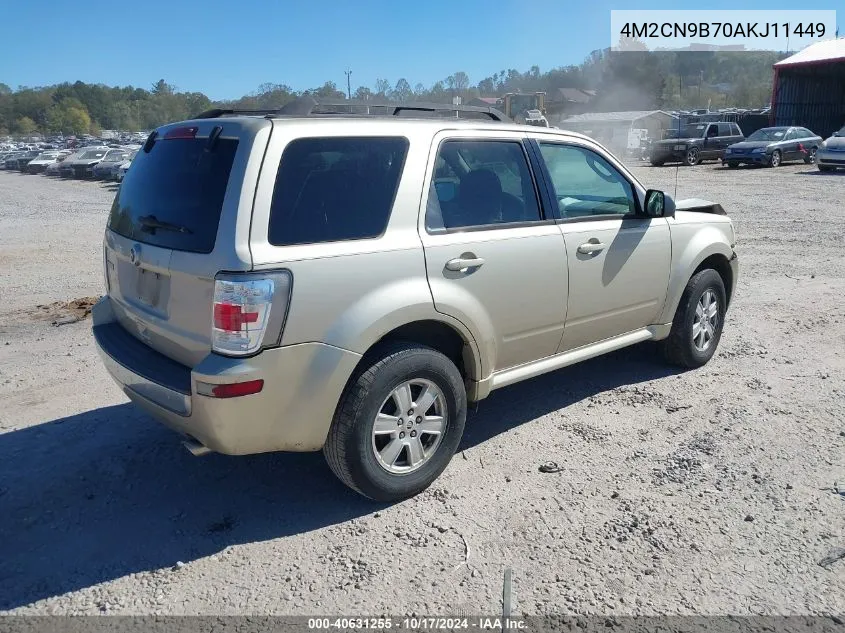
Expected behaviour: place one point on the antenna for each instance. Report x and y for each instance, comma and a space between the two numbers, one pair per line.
677, 167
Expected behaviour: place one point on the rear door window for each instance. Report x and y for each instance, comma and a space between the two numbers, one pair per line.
173, 195
481, 183
725, 129
335, 189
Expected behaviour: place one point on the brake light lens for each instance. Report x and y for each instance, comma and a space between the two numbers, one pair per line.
249, 312
181, 132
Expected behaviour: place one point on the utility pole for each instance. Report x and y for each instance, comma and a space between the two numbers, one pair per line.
348, 73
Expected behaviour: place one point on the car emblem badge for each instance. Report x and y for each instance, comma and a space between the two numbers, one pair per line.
135, 255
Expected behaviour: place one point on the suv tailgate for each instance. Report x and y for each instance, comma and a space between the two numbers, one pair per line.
175, 224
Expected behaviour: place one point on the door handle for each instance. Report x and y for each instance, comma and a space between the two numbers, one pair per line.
590, 247
460, 263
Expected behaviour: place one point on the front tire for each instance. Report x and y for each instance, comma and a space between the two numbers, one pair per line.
692, 157
825, 168
775, 159
697, 326
732, 164
398, 424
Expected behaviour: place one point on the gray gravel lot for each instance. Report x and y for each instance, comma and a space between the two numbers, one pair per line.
708, 492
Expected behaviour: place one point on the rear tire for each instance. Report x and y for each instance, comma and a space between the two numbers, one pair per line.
358, 450
811, 156
692, 342
657, 163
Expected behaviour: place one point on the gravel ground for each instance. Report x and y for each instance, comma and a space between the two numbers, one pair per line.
707, 492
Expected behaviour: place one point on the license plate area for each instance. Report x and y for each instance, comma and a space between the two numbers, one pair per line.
148, 287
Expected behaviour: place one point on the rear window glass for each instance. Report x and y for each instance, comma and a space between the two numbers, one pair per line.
335, 189
173, 195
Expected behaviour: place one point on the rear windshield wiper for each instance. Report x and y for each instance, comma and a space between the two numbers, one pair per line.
151, 223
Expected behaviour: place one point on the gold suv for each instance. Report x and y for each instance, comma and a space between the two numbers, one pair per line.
314, 278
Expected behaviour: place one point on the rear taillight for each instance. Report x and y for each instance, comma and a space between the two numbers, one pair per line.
249, 312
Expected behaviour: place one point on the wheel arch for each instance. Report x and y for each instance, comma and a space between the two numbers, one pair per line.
707, 250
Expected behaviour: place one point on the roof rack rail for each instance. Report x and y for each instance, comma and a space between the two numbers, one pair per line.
308, 106
215, 113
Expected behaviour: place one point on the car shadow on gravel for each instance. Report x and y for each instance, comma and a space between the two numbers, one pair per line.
826, 174
109, 492
512, 406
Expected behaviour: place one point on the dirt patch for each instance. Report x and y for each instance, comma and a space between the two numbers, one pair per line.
64, 312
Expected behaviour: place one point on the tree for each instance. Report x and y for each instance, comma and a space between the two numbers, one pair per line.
25, 125
161, 87
363, 93
402, 91
382, 88
68, 116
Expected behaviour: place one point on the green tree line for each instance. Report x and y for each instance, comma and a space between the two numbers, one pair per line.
622, 81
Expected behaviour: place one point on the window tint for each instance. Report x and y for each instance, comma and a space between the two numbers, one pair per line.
481, 183
173, 195
334, 189
713, 130
725, 129
585, 184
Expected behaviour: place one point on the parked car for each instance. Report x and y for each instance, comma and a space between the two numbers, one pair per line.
104, 170
124, 167
772, 146
38, 165
831, 153
82, 166
281, 291
53, 168
694, 143
11, 161
21, 160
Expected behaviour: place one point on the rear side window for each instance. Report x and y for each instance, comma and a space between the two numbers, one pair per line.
173, 195
725, 129
335, 189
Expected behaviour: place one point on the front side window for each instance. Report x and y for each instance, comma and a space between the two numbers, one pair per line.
335, 189
481, 184
585, 184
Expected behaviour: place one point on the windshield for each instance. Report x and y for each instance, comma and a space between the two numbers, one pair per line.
841, 132
47, 156
768, 134
91, 154
115, 156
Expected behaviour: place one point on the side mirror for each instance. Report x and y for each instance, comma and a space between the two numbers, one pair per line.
658, 204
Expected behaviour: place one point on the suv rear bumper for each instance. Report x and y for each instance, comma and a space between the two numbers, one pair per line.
302, 386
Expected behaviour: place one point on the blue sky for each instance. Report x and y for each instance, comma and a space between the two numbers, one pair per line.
227, 48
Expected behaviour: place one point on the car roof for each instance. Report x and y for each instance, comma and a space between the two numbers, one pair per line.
398, 123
